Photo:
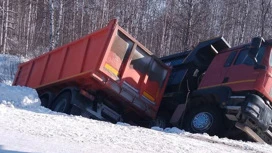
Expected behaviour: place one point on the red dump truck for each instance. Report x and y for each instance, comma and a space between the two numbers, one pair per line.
110, 76
106, 73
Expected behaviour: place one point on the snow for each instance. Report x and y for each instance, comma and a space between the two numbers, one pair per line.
25, 126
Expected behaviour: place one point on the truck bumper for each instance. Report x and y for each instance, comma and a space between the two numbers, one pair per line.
254, 117
257, 112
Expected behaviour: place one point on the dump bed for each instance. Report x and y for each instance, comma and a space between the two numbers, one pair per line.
108, 60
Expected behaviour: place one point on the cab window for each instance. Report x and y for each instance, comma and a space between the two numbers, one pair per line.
243, 57
230, 59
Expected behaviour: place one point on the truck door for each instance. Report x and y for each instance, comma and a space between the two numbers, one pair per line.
217, 71
241, 75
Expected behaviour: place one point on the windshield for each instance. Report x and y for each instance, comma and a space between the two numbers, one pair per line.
243, 57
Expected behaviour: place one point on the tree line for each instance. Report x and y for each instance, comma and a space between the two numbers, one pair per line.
32, 27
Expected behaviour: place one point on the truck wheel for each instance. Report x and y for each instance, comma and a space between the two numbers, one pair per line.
204, 120
46, 99
62, 103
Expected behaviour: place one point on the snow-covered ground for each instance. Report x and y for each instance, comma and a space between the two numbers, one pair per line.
25, 126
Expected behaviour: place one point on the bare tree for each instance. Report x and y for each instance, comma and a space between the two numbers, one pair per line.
32, 27
265, 9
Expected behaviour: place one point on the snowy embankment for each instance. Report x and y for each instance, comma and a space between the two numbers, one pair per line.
25, 126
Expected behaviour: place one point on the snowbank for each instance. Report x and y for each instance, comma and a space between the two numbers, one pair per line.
20, 97
27, 127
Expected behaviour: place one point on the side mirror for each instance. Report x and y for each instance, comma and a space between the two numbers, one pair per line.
254, 47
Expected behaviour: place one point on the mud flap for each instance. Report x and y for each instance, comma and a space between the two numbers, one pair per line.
177, 115
249, 131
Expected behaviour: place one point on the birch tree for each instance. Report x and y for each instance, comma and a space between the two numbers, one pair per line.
32, 27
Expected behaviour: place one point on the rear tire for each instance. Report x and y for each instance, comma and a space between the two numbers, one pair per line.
62, 103
207, 119
46, 99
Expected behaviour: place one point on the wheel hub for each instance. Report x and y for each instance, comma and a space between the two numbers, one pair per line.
202, 121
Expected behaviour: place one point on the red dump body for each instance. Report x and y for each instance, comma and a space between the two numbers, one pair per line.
108, 60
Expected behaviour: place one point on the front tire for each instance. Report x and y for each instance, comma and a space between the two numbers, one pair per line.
207, 119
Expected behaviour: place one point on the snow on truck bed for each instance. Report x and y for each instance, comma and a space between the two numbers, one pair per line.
25, 126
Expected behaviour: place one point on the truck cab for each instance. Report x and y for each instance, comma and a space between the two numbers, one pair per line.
222, 91
248, 77
236, 69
